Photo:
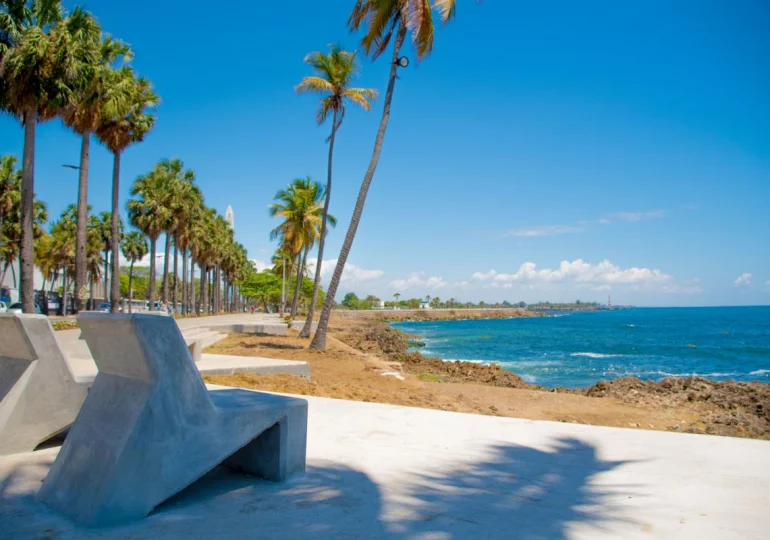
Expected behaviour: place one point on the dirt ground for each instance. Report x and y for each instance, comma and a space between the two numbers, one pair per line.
362, 363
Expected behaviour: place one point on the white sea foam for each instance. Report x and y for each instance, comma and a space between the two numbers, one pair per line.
760, 372
596, 355
682, 375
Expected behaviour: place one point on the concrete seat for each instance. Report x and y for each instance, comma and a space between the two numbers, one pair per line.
149, 427
40, 396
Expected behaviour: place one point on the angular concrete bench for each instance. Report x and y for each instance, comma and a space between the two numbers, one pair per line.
149, 427
40, 396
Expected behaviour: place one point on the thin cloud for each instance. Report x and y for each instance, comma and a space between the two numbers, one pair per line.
547, 230
744, 280
632, 216
577, 271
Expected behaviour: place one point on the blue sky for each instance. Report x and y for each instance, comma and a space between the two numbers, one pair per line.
536, 143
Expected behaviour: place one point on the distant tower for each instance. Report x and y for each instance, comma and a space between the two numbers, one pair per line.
609, 301
230, 217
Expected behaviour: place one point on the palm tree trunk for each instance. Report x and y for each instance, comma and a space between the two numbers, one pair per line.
151, 292
4, 272
184, 282
81, 235
193, 306
27, 285
115, 234
165, 268
107, 274
317, 281
204, 288
298, 284
319, 340
91, 292
173, 292
130, 287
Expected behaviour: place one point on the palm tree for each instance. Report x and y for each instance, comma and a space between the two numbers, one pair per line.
117, 133
178, 182
10, 211
334, 72
149, 214
100, 96
383, 19
396, 296
299, 206
43, 61
105, 237
134, 248
187, 202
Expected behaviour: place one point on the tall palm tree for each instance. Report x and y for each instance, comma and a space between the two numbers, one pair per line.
101, 95
117, 133
105, 237
134, 248
149, 214
42, 64
187, 202
299, 206
334, 72
382, 19
178, 182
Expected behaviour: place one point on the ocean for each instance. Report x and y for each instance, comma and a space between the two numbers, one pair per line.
575, 350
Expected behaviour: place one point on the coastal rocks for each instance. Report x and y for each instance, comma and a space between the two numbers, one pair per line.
727, 407
462, 372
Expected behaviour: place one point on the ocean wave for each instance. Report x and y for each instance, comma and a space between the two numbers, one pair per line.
760, 372
471, 360
596, 355
681, 375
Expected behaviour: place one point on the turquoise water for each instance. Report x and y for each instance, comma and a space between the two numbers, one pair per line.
579, 349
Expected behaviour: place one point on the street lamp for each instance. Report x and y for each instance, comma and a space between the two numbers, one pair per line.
402, 62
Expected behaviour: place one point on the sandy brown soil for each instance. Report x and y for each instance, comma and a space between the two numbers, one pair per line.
362, 353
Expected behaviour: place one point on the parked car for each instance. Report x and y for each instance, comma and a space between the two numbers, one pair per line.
104, 307
3, 307
16, 308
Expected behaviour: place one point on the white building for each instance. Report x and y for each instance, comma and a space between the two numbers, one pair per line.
230, 217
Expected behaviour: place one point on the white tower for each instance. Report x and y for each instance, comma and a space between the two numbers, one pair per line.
230, 217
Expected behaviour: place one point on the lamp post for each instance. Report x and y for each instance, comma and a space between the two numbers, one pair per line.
283, 285
64, 270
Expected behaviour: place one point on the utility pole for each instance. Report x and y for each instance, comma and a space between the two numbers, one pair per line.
283, 285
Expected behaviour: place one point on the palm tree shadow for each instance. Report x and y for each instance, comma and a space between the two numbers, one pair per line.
509, 492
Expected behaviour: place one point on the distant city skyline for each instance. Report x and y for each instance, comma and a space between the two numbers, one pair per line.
542, 152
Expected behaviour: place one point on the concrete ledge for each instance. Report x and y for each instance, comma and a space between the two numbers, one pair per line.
222, 364
260, 329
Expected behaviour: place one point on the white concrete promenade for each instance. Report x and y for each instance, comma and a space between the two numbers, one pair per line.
380, 471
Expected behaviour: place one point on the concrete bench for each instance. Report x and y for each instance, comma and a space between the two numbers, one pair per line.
149, 427
40, 394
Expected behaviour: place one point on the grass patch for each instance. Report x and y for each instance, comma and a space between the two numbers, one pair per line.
427, 377
65, 325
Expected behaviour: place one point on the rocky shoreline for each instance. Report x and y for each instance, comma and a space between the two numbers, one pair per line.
437, 314
725, 407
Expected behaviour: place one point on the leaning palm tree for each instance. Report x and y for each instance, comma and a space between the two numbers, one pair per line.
118, 133
149, 214
100, 96
134, 248
334, 72
383, 19
42, 64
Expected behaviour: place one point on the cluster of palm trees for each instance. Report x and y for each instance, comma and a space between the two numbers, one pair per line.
55, 64
167, 201
303, 223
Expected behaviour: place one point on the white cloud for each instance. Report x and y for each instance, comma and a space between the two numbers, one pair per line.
418, 280
577, 271
351, 275
260, 265
743, 280
547, 230
767, 285
633, 216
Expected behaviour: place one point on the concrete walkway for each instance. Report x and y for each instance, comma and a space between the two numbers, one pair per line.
380, 471
82, 363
